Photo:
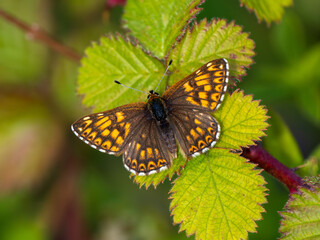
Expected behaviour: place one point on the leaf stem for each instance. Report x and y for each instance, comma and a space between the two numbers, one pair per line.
35, 32
260, 156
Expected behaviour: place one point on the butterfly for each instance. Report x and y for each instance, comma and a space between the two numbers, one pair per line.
147, 133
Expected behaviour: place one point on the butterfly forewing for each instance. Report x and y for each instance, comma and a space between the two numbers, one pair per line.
112, 130
204, 89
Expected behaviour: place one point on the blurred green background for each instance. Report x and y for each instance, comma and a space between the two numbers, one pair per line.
52, 186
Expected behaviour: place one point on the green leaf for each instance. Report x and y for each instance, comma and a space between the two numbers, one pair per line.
301, 218
207, 41
242, 121
156, 24
218, 196
116, 59
289, 152
268, 10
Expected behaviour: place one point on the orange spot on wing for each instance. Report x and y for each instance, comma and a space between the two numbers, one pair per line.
199, 130
105, 125
218, 80
114, 149
213, 105
114, 133
213, 68
218, 88
97, 141
196, 121
194, 134
207, 88
138, 146
204, 76
86, 132
119, 116
218, 73
161, 162
187, 87
142, 167
119, 140
215, 96
203, 82
143, 155
204, 103
106, 144
203, 95
191, 100
149, 153
105, 132
152, 165
101, 121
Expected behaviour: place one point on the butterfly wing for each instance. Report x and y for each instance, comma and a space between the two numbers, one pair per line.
112, 130
131, 130
189, 102
196, 131
148, 153
204, 89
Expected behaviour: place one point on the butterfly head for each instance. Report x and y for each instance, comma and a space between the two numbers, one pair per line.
152, 95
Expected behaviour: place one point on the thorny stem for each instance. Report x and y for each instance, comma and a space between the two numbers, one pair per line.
34, 32
257, 154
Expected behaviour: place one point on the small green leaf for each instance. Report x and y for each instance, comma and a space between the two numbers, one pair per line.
156, 24
218, 196
242, 121
289, 152
268, 10
207, 41
301, 218
116, 59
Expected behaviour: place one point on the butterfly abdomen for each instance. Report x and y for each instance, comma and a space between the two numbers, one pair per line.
159, 112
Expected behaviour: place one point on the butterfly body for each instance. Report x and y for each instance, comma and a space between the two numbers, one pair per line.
147, 134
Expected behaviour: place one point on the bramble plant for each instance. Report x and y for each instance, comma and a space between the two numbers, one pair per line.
218, 195
221, 194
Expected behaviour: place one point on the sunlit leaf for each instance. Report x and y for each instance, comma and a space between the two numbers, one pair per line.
116, 59
301, 218
206, 41
268, 10
242, 120
218, 196
157, 24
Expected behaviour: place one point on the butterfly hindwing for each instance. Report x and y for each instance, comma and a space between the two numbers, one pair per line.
204, 89
111, 131
148, 152
196, 131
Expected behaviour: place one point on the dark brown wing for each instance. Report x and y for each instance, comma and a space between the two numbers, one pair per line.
196, 131
112, 130
204, 89
131, 130
148, 152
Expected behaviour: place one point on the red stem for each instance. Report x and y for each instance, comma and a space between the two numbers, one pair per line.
35, 32
260, 156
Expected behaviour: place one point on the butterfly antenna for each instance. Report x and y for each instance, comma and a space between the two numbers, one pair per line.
130, 87
163, 75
